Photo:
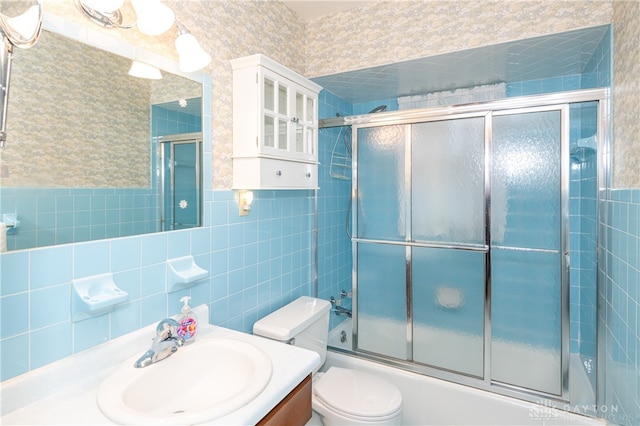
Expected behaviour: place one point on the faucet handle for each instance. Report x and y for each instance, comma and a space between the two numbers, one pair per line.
167, 328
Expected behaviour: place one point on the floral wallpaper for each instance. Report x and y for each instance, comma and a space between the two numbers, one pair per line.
75, 119
626, 94
385, 32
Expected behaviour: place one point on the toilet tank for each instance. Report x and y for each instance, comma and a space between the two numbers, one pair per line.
303, 322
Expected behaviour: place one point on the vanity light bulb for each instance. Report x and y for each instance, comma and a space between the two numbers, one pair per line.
154, 18
191, 56
26, 24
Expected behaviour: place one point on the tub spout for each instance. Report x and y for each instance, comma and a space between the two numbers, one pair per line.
339, 310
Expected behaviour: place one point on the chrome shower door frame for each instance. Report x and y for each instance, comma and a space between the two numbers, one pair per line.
556, 101
172, 140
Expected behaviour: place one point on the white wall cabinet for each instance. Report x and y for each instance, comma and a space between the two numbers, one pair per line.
275, 126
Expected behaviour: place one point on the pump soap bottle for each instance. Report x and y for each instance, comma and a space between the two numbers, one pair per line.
188, 322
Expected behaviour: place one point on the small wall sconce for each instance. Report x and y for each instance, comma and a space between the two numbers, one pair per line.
245, 199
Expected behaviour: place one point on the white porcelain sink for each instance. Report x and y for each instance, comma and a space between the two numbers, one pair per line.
199, 383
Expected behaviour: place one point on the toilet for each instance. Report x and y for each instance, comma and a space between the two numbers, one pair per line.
340, 396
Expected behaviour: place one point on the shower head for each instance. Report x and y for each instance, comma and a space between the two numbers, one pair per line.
378, 109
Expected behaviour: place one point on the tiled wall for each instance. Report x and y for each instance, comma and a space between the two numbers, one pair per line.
65, 215
334, 247
51, 216
620, 304
257, 264
165, 121
618, 296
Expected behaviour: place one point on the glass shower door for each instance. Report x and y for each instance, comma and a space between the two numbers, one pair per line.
181, 159
527, 251
381, 230
449, 253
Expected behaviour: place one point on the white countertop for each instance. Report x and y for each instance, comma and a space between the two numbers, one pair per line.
64, 392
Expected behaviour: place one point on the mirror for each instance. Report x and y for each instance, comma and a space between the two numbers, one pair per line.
84, 158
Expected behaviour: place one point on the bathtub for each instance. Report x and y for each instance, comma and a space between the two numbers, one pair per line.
431, 401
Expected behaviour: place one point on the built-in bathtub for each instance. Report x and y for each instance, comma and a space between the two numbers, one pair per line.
431, 401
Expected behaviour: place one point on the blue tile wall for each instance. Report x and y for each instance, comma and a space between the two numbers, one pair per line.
51, 216
620, 305
334, 246
597, 72
257, 264
165, 121
583, 242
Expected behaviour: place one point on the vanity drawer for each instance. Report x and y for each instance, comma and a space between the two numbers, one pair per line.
294, 410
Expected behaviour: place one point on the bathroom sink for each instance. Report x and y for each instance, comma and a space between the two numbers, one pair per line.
199, 383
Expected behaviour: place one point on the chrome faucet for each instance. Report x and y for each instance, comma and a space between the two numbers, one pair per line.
164, 344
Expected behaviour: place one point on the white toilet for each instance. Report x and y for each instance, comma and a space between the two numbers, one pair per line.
340, 396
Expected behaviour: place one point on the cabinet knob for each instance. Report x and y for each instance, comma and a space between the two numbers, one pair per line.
295, 120
308, 174
279, 173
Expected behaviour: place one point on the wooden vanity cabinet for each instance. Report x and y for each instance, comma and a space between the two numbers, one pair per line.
294, 409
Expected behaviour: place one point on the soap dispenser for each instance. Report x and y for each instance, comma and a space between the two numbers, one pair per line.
187, 323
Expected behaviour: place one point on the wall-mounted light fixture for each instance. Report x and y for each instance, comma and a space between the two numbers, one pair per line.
152, 18
21, 31
245, 199
191, 56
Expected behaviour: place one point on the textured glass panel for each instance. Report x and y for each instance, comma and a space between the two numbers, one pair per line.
525, 180
382, 299
300, 106
282, 100
448, 309
310, 110
268, 131
447, 170
381, 183
299, 147
525, 319
282, 134
269, 94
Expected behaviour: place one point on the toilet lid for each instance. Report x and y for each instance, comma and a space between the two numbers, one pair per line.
357, 393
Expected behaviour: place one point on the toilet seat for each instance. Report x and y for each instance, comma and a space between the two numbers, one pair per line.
358, 395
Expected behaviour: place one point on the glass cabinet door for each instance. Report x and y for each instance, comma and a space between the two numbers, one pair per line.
269, 108
275, 113
304, 120
289, 119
